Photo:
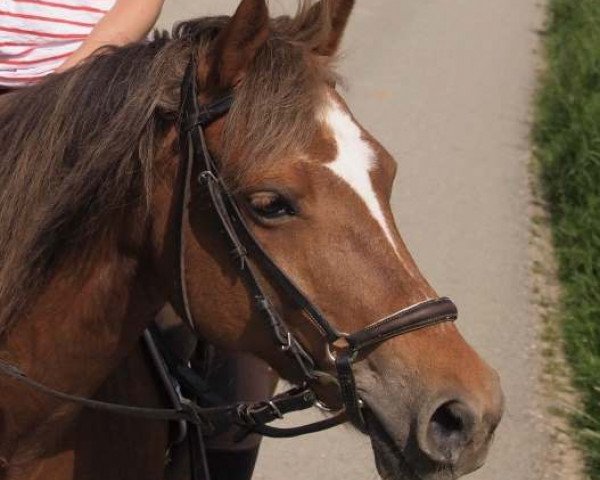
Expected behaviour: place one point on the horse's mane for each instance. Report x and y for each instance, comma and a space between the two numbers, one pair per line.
78, 149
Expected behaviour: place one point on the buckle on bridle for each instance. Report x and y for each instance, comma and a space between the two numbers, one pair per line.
323, 407
207, 175
244, 415
286, 347
276, 410
247, 413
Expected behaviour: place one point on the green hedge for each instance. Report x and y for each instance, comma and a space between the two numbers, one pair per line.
567, 138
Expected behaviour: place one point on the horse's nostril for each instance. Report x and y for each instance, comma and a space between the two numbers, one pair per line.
449, 431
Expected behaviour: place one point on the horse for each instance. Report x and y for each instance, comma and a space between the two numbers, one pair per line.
96, 235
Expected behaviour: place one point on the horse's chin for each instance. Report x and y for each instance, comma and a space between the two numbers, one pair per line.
391, 462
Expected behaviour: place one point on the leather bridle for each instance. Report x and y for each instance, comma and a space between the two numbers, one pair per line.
343, 348
249, 258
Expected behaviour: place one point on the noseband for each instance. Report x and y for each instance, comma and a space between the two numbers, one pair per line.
248, 254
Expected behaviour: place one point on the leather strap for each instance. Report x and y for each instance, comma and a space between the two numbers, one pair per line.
199, 468
187, 412
415, 317
319, 426
343, 365
282, 334
162, 369
249, 415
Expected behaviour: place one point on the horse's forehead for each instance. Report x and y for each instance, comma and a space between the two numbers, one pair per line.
354, 159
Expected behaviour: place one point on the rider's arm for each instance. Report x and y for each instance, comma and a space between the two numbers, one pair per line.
128, 21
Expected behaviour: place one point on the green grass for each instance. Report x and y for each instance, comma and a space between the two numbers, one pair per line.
567, 140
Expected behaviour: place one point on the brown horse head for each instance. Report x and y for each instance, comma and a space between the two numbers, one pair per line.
314, 187
89, 179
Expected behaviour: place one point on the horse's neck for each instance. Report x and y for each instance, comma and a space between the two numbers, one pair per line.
71, 339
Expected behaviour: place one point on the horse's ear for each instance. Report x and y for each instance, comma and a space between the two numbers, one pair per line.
236, 45
339, 13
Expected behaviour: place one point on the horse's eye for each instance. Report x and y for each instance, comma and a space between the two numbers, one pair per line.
271, 206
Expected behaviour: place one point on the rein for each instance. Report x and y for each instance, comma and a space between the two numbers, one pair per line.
343, 349
251, 416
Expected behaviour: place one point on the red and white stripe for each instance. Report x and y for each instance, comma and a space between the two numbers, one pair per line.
36, 36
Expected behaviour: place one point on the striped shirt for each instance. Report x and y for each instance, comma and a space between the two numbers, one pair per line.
37, 36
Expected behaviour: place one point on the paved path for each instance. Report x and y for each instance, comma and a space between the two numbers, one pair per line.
445, 85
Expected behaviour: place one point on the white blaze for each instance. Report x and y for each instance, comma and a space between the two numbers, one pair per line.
354, 162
